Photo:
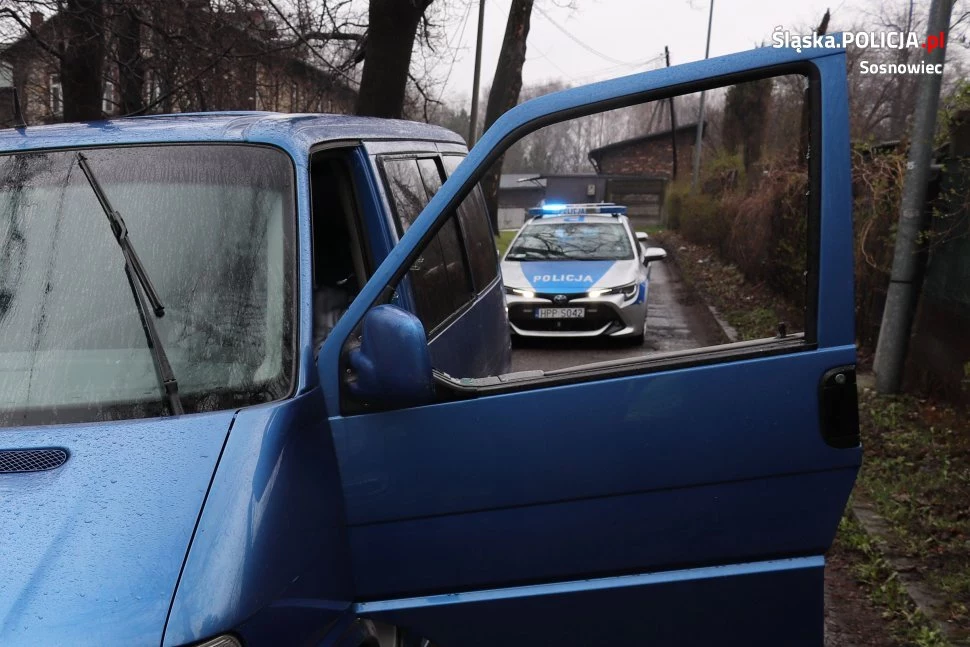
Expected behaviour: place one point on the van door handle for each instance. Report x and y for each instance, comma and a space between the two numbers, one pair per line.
839, 407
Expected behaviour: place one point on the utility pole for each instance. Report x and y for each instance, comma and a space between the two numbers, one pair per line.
473, 124
897, 317
700, 118
673, 123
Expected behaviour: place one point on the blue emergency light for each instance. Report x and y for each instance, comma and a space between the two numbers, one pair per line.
558, 209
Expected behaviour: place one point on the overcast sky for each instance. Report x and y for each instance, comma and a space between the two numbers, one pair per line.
625, 36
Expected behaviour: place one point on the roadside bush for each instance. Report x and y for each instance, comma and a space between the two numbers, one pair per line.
877, 180
698, 216
703, 221
674, 203
762, 231
723, 173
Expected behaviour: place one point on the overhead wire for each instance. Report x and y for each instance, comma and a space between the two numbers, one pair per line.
457, 46
579, 42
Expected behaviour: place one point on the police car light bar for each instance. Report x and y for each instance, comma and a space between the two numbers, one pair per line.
556, 209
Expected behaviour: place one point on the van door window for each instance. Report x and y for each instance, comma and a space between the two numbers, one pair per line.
459, 277
477, 231
440, 278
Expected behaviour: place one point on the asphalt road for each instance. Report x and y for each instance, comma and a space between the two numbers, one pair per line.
675, 321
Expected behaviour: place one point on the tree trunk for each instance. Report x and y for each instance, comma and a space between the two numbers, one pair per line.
506, 86
131, 67
82, 60
387, 56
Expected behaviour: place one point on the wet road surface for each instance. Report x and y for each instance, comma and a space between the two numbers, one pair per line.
675, 321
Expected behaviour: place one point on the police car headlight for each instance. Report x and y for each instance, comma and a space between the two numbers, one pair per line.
628, 291
528, 294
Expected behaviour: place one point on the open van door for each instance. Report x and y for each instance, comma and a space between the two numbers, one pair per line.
680, 498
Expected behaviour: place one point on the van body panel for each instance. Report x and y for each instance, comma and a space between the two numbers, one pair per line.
90, 552
270, 552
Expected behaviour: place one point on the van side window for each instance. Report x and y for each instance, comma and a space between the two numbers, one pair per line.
453, 252
477, 230
440, 278
407, 190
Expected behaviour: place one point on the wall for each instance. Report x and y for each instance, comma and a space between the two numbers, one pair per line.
939, 353
650, 157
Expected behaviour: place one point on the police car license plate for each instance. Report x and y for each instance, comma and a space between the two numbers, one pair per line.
560, 313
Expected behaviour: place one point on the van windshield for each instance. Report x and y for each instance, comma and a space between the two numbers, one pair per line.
213, 228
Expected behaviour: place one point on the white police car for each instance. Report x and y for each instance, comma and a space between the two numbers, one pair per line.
578, 270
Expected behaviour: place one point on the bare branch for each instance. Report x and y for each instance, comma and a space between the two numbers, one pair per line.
47, 47
313, 49
428, 100
332, 35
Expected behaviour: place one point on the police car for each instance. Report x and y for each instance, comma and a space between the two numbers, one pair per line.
578, 270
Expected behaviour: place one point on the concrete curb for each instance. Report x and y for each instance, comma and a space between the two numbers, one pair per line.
729, 331
906, 570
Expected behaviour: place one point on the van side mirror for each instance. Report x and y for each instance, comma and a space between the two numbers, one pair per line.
651, 254
392, 366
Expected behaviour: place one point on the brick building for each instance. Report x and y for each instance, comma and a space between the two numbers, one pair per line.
240, 64
641, 194
648, 155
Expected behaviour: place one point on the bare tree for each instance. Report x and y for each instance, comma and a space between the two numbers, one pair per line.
387, 56
131, 65
506, 86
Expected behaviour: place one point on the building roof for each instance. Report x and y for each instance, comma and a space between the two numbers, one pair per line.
642, 139
521, 181
282, 129
514, 181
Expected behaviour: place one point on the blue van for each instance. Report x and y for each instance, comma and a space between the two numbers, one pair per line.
180, 465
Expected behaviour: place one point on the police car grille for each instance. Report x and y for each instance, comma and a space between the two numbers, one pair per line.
552, 295
524, 317
564, 325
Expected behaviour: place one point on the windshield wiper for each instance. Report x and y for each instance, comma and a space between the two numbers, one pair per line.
135, 270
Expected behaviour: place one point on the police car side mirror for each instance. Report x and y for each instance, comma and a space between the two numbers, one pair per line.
392, 366
642, 236
651, 254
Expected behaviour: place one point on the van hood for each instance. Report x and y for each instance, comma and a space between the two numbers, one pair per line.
90, 552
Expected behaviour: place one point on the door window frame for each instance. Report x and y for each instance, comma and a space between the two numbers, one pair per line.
763, 65
477, 195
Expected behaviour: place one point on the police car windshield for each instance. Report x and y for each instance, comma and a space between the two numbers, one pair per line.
572, 241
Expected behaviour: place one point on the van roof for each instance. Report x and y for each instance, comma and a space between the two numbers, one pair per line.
283, 129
